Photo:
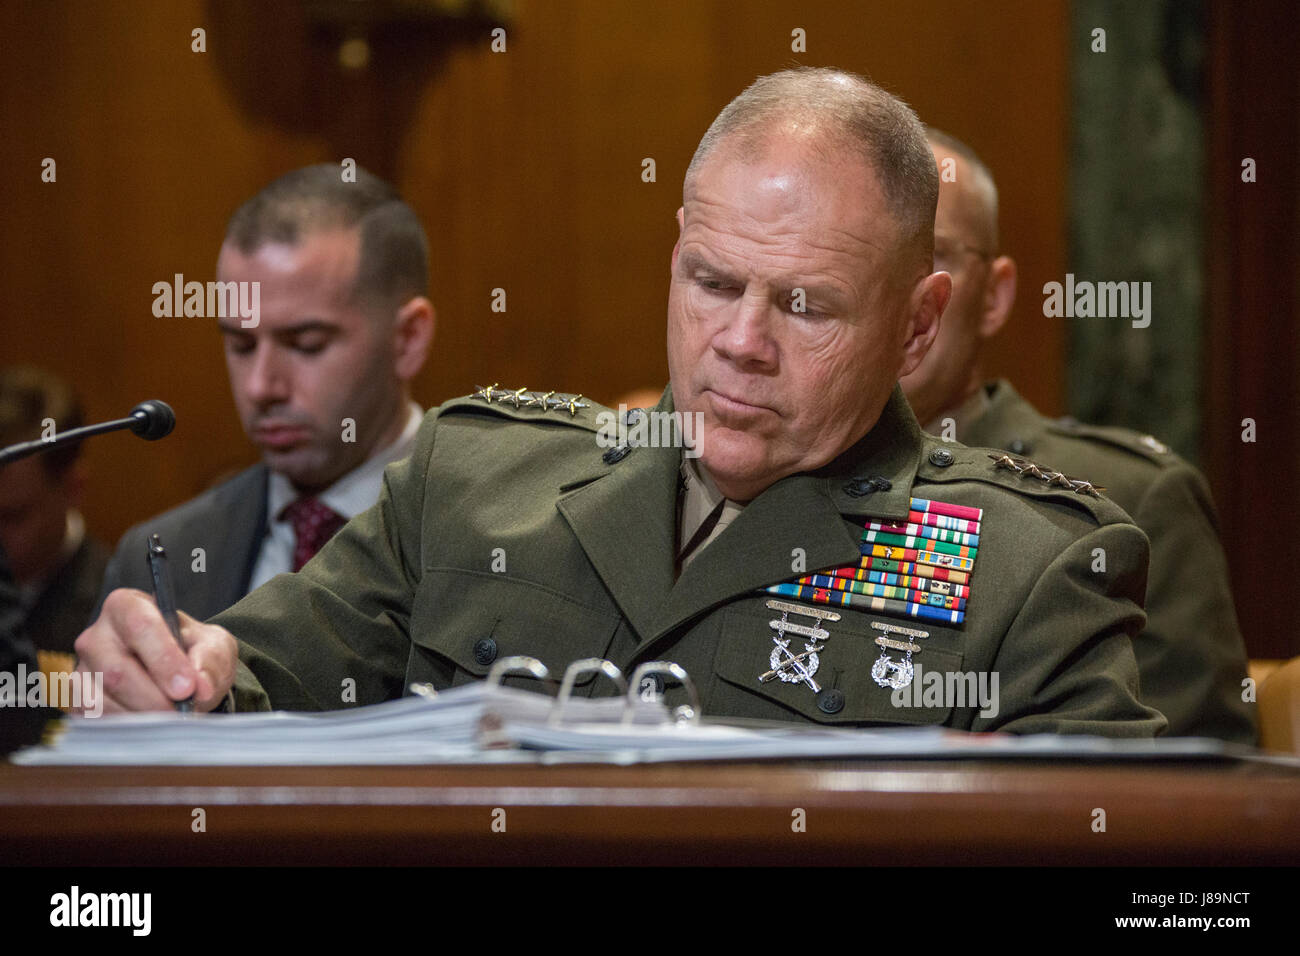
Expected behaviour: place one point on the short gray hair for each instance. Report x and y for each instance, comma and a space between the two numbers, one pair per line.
854, 112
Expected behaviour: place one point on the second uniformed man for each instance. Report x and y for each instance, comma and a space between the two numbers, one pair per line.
1190, 655
804, 258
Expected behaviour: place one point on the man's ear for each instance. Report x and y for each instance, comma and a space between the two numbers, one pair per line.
677, 246
999, 296
413, 336
928, 300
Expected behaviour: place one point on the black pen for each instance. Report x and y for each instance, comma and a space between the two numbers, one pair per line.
166, 598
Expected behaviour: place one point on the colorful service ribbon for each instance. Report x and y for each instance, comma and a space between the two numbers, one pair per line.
918, 568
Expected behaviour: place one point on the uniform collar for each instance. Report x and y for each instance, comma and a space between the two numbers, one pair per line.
890, 451
964, 415
1007, 419
700, 499
625, 516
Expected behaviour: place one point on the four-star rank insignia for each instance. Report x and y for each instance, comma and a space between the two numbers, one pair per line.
524, 398
1022, 466
919, 568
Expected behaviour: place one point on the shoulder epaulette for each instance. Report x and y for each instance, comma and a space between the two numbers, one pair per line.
1147, 446
524, 404
953, 462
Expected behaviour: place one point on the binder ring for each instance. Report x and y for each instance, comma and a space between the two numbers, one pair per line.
571, 675
507, 665
686, 713
423, 689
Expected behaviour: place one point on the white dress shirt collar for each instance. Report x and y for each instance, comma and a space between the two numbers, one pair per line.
359, 488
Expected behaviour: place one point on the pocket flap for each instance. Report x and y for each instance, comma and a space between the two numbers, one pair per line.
841, 666
475, 618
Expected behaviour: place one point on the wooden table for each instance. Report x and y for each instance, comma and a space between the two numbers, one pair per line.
863, 812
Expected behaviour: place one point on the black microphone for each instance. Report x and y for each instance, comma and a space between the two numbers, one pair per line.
153, 419
150, 420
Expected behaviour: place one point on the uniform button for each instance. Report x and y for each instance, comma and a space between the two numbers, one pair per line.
485, 651
633, 416
1018, 447
614, 455
941, 457
830, 701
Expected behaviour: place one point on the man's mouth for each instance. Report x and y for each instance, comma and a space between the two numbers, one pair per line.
280, 436
727, 406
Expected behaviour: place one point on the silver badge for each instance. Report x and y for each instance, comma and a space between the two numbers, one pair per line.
891, 673
786, 664
888, 672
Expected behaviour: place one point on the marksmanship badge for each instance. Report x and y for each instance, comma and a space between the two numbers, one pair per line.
787, 665
888, 672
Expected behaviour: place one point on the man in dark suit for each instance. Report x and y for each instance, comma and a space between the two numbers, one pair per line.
321, 379
56, 566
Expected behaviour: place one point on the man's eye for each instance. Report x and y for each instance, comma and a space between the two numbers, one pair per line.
946, 260
713, 285
239, 346
800, 307
309, 346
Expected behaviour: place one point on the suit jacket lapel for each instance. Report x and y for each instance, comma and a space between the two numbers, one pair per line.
241, 520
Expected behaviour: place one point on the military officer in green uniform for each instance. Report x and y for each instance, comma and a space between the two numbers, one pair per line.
809, 555
1190, 654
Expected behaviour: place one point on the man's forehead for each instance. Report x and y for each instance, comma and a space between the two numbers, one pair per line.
783, 199
333, 253
963, 200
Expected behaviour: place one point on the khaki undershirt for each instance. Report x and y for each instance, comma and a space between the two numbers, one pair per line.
702, 512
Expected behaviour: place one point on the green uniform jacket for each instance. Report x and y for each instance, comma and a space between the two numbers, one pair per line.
511, 531
1190, 656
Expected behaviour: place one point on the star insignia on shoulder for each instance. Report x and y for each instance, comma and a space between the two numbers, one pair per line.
526, 398
516, 398
1023, 467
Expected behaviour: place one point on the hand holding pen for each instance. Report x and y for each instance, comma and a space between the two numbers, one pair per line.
165, 595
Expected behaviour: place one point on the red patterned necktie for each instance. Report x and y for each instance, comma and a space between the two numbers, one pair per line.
313, 523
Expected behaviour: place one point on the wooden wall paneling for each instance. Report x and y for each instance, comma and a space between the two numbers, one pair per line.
525, 167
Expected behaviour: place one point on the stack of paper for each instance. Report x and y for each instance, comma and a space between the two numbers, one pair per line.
479, 723
457, 726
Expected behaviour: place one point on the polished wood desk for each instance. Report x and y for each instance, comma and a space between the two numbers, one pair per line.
860, 812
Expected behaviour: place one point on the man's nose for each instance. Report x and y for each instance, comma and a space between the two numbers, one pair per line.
747, 337
267, 375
